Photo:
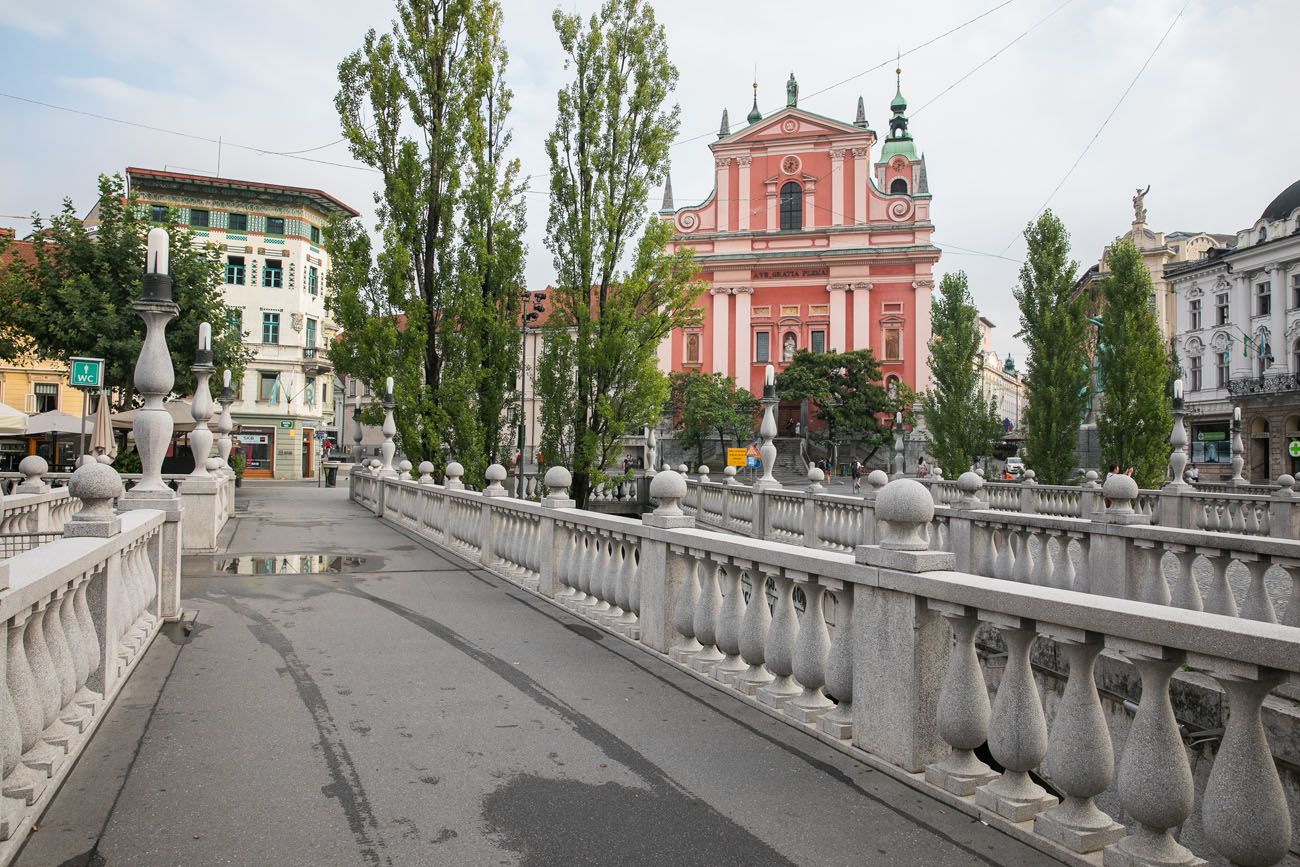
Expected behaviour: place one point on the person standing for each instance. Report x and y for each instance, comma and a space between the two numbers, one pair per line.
857, 475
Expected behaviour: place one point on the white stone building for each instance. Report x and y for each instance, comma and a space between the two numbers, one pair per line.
1000, 381
1238, 336
276, 277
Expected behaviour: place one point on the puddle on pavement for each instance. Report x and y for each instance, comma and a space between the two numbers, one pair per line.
282, 564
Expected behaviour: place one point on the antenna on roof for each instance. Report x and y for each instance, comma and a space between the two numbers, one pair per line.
218, 156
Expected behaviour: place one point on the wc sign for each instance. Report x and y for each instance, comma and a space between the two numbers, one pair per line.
86, 372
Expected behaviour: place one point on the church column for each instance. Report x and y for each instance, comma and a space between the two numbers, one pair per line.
837, 187
720, 341
743, 339
1243, 357
921, 338
860, 181
724, 193
837, 292
1277, 318
809, 205
742, 222
861, 316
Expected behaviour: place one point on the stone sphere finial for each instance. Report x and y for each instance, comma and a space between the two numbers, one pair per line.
1285, 487
980, 472
815, 478
683, 469
495, 475
1121, 490
33, 467
557, 481
454, 473
96, 485
877, 479
704, 472
1029, 478
426, 473
404, 469
1090, 480
669, 489
730, 474
937, 474
905, 508
666, 466
970, 484
104, 459
212, 464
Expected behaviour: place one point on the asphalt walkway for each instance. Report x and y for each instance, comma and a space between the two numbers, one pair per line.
407, 709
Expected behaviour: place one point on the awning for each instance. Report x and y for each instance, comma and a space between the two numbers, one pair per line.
179, 410
57, 422
12, 422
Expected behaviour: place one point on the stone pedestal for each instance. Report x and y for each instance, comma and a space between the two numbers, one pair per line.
168, 502
200, 498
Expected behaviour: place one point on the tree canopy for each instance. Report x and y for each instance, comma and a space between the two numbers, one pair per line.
961, 418
846, 394
74, 298
704, 405
598, 374
437, 307
1053, 324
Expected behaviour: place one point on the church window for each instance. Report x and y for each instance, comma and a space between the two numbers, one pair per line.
893, 344
692, 349
898, 187
791, 207
763, 346
819, 342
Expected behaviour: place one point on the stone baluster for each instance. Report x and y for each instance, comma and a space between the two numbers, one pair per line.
1218, 595
617, 554
753, 635
778, 650
684, 606
65, 671
582, 556
1244, 808
708, 606
54, 731
1155, 779
27, 781
1153, 587
200, 438
1080, 758
1256, 604
1061, 574
810, 653
730, 621
767, 431
389, 430
1186, 593
154, 375
1017, 729
225, 423
87, 696
623, 587
1003, 561
838, 721
1023, 570
599, 601
963, 711
11, 748
1292, 568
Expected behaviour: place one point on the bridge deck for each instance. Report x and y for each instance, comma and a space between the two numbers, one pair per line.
418, 711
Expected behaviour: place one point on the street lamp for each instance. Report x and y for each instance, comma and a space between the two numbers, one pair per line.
528, 316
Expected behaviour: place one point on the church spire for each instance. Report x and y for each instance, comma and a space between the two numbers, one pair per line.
861, 119
725, 129
668, 194
754, 114
898, 123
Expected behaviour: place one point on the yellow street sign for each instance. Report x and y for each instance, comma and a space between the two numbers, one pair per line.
736, 457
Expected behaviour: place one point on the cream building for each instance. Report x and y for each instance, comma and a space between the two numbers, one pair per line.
1000, 380
276, 277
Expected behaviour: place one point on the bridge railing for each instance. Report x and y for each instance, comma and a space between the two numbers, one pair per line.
875, 652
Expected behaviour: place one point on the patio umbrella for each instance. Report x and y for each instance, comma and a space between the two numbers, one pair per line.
55, 421
12, 422
179, 410
102, 436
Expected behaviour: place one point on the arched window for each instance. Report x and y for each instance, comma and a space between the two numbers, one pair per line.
898, 187
791, 206
1295, 357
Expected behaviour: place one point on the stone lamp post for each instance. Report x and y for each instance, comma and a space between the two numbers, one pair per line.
225, 424
767, 430
154, 378
1178, 439
356, 429
389, 448
201, 407
899, 468
1238, 450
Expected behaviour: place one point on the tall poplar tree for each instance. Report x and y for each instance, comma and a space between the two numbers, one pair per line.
962, 420
437, 306
1054, 327
1135, 420
598, 375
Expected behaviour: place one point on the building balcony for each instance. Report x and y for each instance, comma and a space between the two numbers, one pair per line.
1268, 384
316, 359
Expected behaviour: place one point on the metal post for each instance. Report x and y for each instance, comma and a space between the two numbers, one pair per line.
81, 448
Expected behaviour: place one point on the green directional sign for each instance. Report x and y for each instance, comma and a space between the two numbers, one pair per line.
86, 372
1294, 448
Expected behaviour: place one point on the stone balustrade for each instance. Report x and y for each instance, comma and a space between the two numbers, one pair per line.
862, 634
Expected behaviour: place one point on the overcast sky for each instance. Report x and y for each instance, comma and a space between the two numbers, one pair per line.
1210, 125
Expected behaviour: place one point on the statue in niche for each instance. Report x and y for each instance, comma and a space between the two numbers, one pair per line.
1139, 205
692, 347
787, 348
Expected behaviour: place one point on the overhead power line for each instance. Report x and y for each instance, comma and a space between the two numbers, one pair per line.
1098, 133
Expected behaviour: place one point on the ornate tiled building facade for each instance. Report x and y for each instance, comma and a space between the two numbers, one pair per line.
812, 239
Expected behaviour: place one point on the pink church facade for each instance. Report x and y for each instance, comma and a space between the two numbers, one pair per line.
812, 239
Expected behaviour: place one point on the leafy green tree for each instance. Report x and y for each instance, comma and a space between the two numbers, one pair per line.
1135, 420
598, 376
75, 297
437, 307
1054, 326
845, 391
704, 405
962, 420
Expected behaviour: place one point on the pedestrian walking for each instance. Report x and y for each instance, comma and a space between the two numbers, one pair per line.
857, 475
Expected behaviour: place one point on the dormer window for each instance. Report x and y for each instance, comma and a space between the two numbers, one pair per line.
791, 207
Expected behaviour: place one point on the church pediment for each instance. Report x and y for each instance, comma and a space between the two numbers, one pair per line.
789, 123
